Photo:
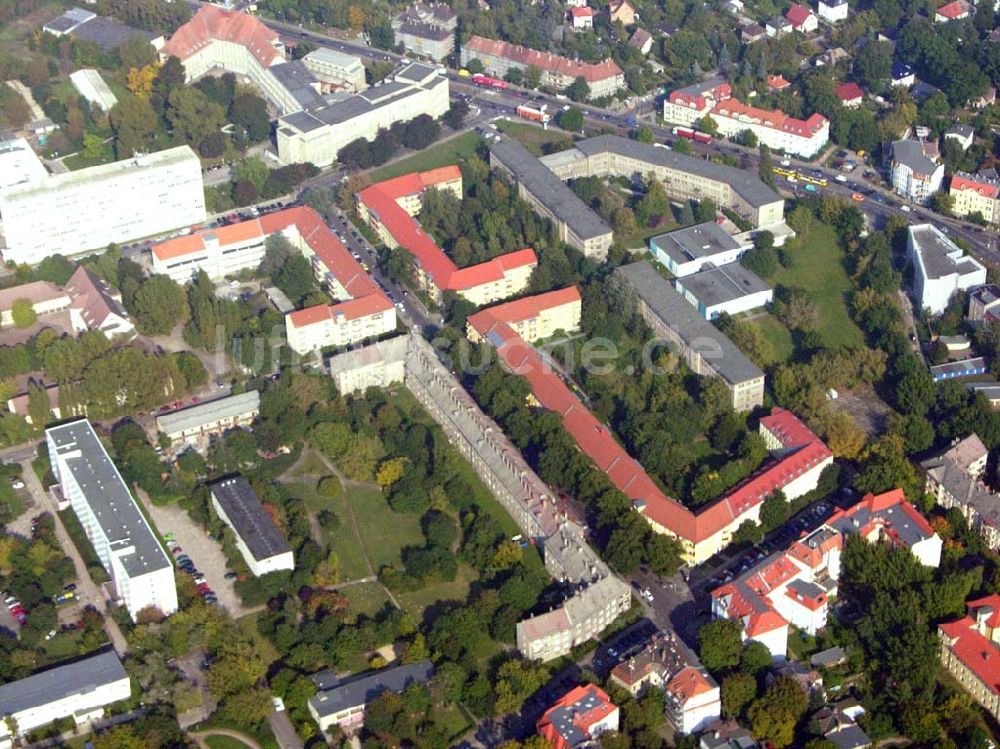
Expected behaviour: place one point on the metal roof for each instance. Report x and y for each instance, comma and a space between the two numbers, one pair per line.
693, 242
297, 79
335, 696
718, 285
61, 682
249, 519
209, 412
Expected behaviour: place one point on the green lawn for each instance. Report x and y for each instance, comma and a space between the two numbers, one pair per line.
777, 335
248, 625
342, 540
456, 590
817, 267
365, 598
224, 742
450, 152
533, 137
383, 532
310, 467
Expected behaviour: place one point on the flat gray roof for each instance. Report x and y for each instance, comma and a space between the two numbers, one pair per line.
249, 518
415, 72
548, 189
109, 498
693, 242
675, 312
746, 184
80, 677
725, 283
297, 80
108, 33
335, 696
911, 153
332, 56
940, 256
208, 412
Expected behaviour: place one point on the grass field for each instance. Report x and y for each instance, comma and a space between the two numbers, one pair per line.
817, 267
777, 335
365, 598
384, 532
352, 560
452, 151
456, 590
533, 137
248, 625
224, 742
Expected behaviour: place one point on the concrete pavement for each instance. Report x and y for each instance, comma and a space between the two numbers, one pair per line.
284, 731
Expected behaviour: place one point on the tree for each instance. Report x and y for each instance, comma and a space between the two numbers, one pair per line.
571, 119
738, 691
420, 132
766, 170
645, 135
133, 122
873, 65
578, 90
39, 406
771, 723
191, 115
533, 77
455, 116
720, 643
773, 511
843, 436
250, 111
390, 471
136, 52
707, 125
159, 306
942, 202
22, 312
213, 146
475, 66
93, 146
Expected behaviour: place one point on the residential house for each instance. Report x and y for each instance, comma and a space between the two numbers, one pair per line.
94, 306
915, 175
733, 6
582, 17
955, 480
902, 75
579, 717
777, 83
342, 702
850, 95
986, 100
832, 11
642, 40
777, 26
832, 56
964, 134
954, 11
621, 11
685, 106
969, 651
727, 736
802, 19
975, 193
940, 268
753, 32
777, 130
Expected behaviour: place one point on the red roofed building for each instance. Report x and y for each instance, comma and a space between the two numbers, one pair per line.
582, 715
603, 78
777, 83
687, 105
582, 18
953, 11
802, 19
974, 193
969, 651
390, 207
532, 318
850, 95
773, 127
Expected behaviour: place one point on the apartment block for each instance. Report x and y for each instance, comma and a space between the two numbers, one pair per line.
195, 424
955, 480
915, 174
976, 194
774, 128
940, 268
390, 208
378, 364
531, 318
140, 571
427, 30
969, 651
685, 106
579, 718
89, 209
261, 543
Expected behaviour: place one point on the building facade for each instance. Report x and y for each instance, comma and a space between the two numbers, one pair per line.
336, 70
685, 106
141, 572
89, 209
725, 289
44, 297
774, 128
940, 268
378, 364
833, 11
955, 480
95, 306
579, 718
427, 30
342, 702
914, 175
531, 318
975, 194
261, 543
195, 424
970, 651
693, 248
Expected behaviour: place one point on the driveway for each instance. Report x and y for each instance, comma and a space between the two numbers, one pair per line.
284, 731
207, 555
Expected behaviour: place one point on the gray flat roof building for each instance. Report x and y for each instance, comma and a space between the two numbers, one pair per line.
218, 411
337, 696
247, 517
705, 240
299, 81
718, 285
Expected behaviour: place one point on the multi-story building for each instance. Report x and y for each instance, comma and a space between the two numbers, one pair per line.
685, 106
261, 543
914, 174
89, 209
19, 163
196, 424
342, 702
975, 194
693, 248
45, 298
955, 480
140, 571
970, 651
793, 587
705, 349
578, 225
220, 38
728, 289
604, 78
683, 177
378, 364
773, 127
316, 134
693, 697
427, 30
79, 690
390, 208
532, 318
219, 252
579, 718
983, 303
940, 268
335, 70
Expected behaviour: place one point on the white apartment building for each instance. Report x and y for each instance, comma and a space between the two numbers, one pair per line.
337, 325
336, 70
774, 128
379, 364
80, 690
685, 106
259, 540
220, 252
89, 209
19, 164
691, 249
193, 425
914, 174
141, 572
940, 268
316, 135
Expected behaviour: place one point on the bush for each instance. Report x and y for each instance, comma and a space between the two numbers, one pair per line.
329, 486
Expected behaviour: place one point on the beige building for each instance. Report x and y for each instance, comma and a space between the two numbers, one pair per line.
427, 30
316, 135
955, 480
970, 653
976, 193
335, 70
533, 318
196, 424
45, 298
378, 364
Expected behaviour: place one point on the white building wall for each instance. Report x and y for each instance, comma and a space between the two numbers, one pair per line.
338, 332
832, 13
88, 702
218, 261
733, 306
928, 551
284, 561
777, 140
378, 374
701, 710
913, 187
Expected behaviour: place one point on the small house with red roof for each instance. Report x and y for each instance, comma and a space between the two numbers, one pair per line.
970, 652
850, 95
953, 11
582, 17
583, 714
802, 19
777, 83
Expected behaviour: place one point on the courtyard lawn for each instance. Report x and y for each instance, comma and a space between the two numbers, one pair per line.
342, 540
777, 335
456, 590
532, 137
451, 151
365, 598
384, 533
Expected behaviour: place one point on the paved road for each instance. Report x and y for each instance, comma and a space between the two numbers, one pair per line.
200, 736
284, 731
86, 591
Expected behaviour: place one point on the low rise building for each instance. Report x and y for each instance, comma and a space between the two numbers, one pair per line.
532, 318
983, 300
728, 289
832, 11
335, 70
970, 652
695, 248
902, 75
19, 164
141, 573
961, 368
850, 95
89, 84
106, 33
19, 405
196, 424
940, 268
693, 696
390, 208
957, 10
427, 30
915, 175
378, 364
86, 210
964, 135
777, 27
44, 297
621, 11
641, 40
955, 480
802, 19
219, 252
579, 718
975, 194
317, 134
582, 18
80, 690
685, 106
261, 543
95, 306
342, 702
773, 128
497, 57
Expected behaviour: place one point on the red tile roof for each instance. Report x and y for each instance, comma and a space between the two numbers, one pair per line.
581, 12
873, 507
588, 705
849, 92
987, 189
993, 601
212, 23
381, 200
774, 119
976, 652
777, 82
953, 10
690, 682
797, 15
544, 60
522, 309
697, 97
